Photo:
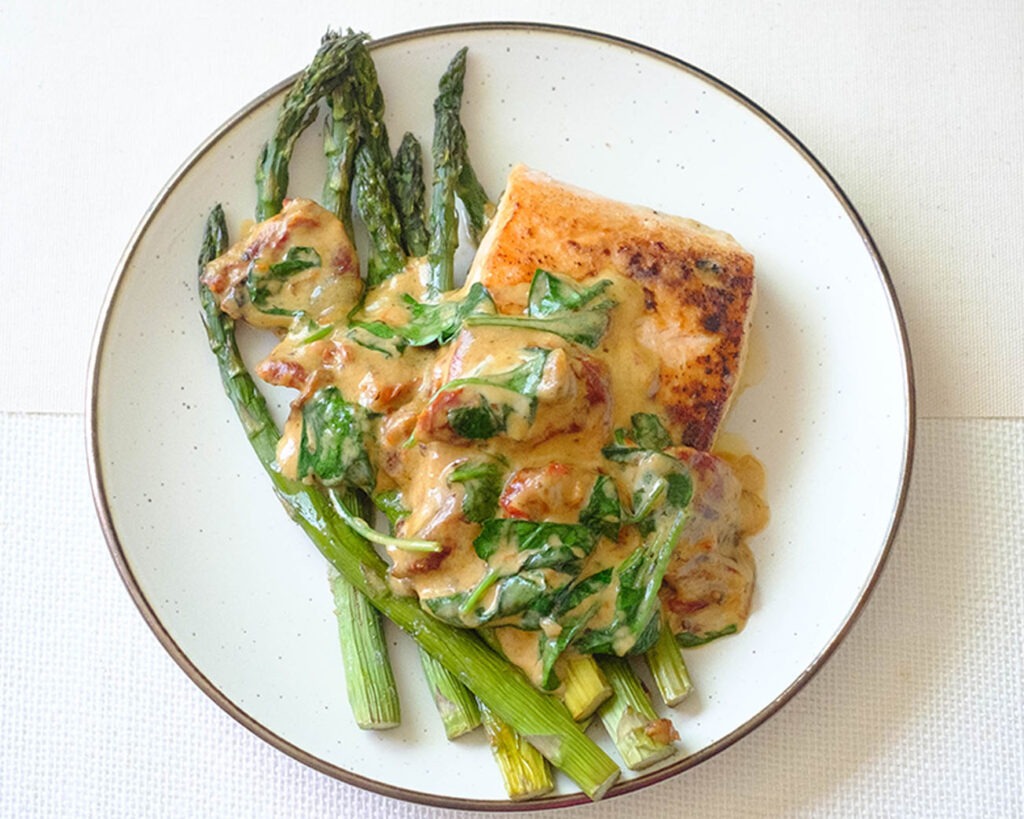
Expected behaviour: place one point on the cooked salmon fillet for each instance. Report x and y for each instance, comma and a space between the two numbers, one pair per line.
698, 285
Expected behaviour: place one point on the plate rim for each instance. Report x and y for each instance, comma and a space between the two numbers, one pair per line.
621, 788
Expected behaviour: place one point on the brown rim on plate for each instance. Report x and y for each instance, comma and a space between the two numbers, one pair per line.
383, 788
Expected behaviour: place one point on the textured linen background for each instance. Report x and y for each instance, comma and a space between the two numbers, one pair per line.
916, 110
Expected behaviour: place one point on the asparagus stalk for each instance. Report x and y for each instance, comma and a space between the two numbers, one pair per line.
380, 206
372, 180
665, 660
370, 99
447, 153
640, 736
407, 184
586, 687
455, 705
341, 138
373, 201
331, 61
478, 207
542, 721
523, 770
369, 680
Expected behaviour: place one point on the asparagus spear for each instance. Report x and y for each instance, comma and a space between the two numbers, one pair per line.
542, 721
447, 153
523, 770
356, 125
456, 706
372, 180
586, 687
331, 61
378, 214
665, 660
641, 737
370, 99
407, 184
369, 680
341, 138
479, 208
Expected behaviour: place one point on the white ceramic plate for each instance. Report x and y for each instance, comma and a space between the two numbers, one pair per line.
239, 597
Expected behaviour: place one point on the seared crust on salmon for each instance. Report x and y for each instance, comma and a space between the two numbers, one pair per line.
698, 285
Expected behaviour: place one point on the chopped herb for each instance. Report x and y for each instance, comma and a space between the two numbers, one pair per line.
552, 295
550, 648
549, 544
295, 260
318, 334
440, 322
361, 527
479, 421
646, 433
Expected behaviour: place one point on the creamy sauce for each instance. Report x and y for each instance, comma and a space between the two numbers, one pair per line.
547, 439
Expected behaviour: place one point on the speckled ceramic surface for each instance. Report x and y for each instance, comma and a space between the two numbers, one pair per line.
241, 600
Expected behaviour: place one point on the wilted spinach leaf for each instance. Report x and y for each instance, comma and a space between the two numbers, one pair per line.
482, 481
649, 432
264, 285
487, 401
334, 440
561, 306
603, 512
429, 322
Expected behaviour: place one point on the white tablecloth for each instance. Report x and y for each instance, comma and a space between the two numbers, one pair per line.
917, 111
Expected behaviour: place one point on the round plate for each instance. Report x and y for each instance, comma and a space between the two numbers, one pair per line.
240, 599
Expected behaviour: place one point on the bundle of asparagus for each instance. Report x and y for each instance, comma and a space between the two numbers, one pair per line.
471, 682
